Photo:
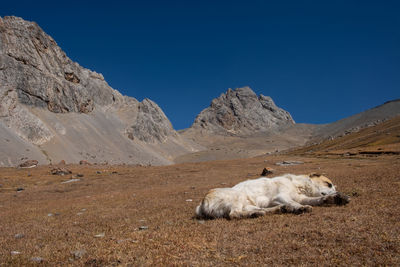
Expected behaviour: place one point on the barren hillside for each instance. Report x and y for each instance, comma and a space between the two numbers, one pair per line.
360, 120
384, 138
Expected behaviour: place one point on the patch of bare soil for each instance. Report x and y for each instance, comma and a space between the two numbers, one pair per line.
121, 215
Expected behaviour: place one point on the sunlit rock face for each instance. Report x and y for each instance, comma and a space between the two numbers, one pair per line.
49, 100
242, 112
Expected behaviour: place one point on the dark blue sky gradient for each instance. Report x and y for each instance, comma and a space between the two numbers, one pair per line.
320, 60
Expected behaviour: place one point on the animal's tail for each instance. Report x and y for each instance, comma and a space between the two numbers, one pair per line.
200, 212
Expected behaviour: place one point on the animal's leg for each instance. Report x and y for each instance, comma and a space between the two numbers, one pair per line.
248, 211
336, 198
263, 202
313, 201
295, 208
276, 209
288, 205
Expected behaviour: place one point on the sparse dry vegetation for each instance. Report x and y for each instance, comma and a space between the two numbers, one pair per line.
59, 222
383, 138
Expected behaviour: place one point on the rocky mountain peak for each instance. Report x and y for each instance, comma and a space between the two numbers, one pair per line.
151, 125
242, 112
48, 102
33, 65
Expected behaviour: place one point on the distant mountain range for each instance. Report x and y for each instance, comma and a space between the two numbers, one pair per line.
53, 109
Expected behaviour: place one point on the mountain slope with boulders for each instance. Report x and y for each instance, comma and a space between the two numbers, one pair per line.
355, 123
53, 109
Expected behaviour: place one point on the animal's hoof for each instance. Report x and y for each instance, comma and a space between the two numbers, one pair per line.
341, 199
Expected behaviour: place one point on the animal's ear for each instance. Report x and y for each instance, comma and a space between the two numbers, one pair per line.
314, 174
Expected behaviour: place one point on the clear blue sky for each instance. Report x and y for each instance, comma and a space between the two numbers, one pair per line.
320, 60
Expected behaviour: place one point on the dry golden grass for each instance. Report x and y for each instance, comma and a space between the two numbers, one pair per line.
120, 199
383, 138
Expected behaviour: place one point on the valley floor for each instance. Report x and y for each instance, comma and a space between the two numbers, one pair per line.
121, 215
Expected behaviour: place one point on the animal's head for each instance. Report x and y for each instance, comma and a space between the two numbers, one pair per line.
324, 184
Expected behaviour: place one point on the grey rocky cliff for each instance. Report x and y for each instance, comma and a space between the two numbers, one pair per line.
41, 89
241, 112
35, 71
151, 124
33, 65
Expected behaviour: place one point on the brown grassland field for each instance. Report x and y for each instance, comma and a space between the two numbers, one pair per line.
58, 222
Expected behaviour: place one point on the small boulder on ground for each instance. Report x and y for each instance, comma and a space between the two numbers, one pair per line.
29, 164
100, 235
266, 171
37, 259
60, 171
289, 163
62, 162
71, 181
84, 162
19, 236
78, 254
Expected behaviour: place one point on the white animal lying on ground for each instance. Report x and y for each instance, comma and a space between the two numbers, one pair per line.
283, 194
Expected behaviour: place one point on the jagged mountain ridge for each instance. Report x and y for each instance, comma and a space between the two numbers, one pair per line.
242, 112
240, 124
41, 89
38, 72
